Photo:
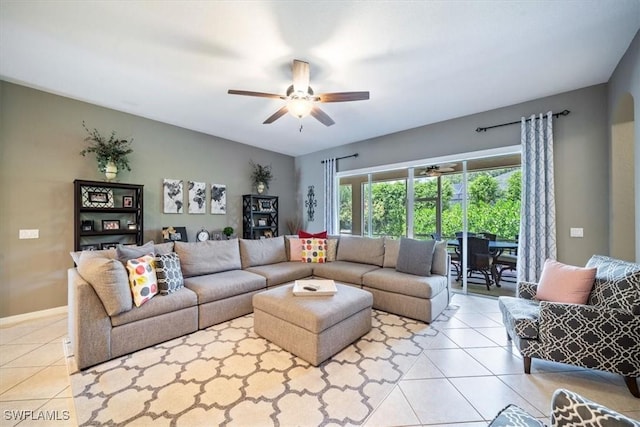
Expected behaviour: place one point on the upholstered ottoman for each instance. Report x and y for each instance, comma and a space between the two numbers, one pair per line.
313, 328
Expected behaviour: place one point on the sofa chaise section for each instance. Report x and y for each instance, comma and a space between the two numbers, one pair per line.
96, 337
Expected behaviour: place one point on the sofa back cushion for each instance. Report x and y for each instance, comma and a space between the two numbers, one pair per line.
109, 279
212, 256
365, 250
391, 248
262, 252
439, 265
617, 284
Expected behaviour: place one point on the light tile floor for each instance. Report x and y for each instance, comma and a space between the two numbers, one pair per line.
468, 374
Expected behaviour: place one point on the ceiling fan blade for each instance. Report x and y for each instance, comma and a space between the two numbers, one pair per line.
343, 96
322, 116
275, 116
300, 76
258, 94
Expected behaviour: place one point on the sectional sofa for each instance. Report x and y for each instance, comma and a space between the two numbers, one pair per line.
220, 279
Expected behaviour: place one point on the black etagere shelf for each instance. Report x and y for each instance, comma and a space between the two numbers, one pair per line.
259, 216
107, 214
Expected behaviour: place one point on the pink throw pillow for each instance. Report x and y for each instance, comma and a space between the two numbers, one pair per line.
565, 283
295, 249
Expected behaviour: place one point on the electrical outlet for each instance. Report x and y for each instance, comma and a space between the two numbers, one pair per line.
576, 232
29, 234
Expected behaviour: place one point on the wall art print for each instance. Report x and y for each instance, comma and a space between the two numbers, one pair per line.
197, 197
173, 195
218, 199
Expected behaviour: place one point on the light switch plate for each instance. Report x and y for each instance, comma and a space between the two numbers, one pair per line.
29, 234
576, 232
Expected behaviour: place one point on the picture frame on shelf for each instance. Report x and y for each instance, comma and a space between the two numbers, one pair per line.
265, 205
262, 222
132, 226
216, 235
110, 245
127, 201
174, 234
110, 224
86, 225
90, 247
96, 197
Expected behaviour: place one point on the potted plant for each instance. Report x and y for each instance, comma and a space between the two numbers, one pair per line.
111, 153
261, 176
228, 231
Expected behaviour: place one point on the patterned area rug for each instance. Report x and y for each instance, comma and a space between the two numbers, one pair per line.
227, 375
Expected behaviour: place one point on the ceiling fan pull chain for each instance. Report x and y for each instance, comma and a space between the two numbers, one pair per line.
300, 125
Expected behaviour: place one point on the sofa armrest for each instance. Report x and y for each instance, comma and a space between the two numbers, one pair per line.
569, 409
590, 336
89, 324
527, 290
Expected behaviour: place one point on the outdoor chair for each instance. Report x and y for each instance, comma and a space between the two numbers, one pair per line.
479, 259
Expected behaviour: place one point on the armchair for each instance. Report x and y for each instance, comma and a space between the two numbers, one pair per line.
603, 334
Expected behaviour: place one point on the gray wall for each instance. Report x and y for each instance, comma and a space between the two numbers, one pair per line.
626, 81
41, 136
580, 148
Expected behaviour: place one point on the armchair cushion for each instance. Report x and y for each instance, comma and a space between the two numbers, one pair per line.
521, 316
565, 283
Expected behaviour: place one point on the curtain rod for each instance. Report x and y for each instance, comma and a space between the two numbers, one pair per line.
556, 115
344, 157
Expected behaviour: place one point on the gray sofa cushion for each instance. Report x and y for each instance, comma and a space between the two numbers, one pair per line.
365, 250
439, 265
182, 298
226, 284
391, 248
109, 279
415, 256
390, 280
126, 252
343, 271
283, 272
262, 251
208, 257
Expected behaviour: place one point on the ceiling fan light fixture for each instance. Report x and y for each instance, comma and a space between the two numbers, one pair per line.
299, 106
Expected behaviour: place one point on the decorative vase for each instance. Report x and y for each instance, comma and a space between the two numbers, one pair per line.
260, 187
111, 170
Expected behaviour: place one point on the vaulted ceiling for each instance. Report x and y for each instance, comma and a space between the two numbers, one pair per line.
422, 61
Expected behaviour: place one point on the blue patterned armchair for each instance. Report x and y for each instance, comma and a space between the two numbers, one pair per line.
603, 334
568, 409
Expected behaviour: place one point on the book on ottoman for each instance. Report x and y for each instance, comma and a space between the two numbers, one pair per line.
314, 287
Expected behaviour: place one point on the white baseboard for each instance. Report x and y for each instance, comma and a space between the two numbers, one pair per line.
10, 320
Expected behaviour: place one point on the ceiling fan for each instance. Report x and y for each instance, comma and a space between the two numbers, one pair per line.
437, 170
300, 99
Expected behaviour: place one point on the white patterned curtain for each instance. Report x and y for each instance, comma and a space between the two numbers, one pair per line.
537, 239
330, 196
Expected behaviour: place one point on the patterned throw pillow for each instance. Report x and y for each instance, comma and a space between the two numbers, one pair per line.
169, 273
314, 250
142, 279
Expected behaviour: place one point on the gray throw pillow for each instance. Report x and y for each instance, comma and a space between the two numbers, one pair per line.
126, 252
415, 256
169, 273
